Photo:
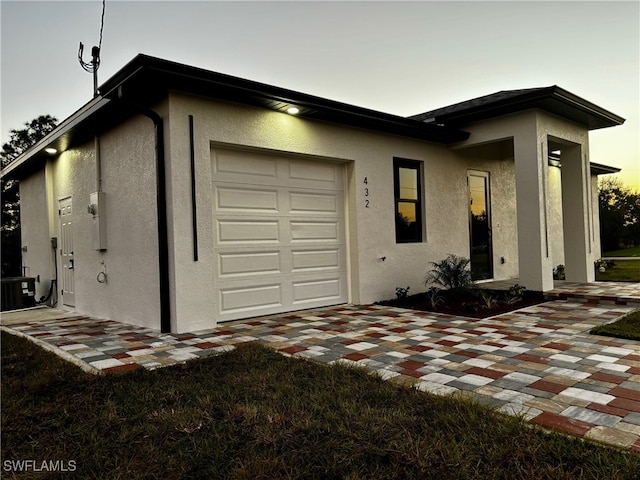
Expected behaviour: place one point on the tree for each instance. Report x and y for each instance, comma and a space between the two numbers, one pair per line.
19, 142
619, 215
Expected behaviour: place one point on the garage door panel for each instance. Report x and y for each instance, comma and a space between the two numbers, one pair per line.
236, 199
323, 259
248, 263
241, 301
325, 290
247, 231
314, 231
313, 203
324, 173
244, 164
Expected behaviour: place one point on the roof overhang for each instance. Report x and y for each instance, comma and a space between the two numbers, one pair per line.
552, 99
600, 169
145, 80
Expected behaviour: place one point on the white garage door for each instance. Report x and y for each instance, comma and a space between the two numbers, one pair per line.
280, 234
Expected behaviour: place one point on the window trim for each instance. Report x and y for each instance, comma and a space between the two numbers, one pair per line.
416, 165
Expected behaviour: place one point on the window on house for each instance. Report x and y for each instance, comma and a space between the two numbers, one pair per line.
408, 200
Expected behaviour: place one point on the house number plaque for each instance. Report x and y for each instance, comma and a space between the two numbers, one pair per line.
366, 192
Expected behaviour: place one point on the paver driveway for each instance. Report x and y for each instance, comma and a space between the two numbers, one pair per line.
540, 361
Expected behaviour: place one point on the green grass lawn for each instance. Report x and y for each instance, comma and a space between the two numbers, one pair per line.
624, 271
627, 327
254, 414
627, 252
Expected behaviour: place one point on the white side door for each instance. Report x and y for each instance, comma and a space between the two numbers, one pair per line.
67, 281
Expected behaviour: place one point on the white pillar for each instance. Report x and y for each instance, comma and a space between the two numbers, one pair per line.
577, 215
534, 258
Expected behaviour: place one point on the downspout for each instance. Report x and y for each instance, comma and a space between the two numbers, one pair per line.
161, 200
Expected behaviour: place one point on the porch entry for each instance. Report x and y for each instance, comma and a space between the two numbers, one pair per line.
67, 280
481, 248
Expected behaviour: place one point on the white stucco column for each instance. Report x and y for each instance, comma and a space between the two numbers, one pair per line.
576, 214
534, 258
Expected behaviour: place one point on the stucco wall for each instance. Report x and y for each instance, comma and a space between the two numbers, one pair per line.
130, 293
371, 233
34, 231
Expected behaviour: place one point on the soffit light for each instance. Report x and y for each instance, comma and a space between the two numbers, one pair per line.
51, 150
293, 110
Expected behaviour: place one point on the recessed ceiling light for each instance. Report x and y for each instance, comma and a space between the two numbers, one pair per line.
293, 110
51, 150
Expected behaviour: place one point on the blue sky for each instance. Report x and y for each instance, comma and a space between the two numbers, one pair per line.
396, 57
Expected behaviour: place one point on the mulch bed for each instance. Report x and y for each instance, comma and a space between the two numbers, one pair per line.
467, 304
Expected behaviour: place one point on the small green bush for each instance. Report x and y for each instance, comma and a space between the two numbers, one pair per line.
452, 273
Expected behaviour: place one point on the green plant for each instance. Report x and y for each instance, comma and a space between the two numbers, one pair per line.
434, 297
490, 302
451, 273
514, 294
402, 292
558, 273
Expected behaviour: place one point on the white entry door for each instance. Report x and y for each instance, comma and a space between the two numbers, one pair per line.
280, 234
67, 283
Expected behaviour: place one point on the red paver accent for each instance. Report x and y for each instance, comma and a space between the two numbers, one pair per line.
398, 330
486, 372
120, 355
411, 373
607, 377
411, 365
558, 422
557, 346
376, 335
447, 343
598, 407
123, 368
205, 345
292, 349
621, 392
634, 371
355, 356
466, 353
532, 358
350, 342
631, 405
633, 357
545, 386
635, 447
608, 343
418, 348
142, 347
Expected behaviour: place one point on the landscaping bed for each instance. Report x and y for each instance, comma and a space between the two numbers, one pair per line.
475, 303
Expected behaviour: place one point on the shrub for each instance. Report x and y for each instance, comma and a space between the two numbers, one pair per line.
451, 274
402, 292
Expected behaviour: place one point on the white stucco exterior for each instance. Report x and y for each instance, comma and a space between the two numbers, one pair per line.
541, 215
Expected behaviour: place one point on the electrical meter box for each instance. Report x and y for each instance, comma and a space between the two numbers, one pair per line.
96, 208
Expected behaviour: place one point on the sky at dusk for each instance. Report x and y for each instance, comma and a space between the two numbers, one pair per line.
397, 57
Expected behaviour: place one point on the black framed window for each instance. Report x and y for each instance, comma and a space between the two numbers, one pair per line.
408, 200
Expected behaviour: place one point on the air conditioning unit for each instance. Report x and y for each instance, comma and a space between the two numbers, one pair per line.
18, 292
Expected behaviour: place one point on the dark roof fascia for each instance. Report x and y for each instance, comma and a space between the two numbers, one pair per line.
552, 99
135, 79
600, 169
75, 127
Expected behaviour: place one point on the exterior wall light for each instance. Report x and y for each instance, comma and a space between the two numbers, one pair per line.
51, 150
293, 110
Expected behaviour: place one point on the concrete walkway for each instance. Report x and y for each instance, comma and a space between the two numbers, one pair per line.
539, 361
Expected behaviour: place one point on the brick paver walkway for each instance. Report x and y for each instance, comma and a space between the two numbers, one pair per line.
539, 361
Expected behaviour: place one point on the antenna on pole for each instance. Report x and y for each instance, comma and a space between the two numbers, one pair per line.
94, 64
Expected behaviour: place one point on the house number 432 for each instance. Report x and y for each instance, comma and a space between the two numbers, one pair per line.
366, 192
